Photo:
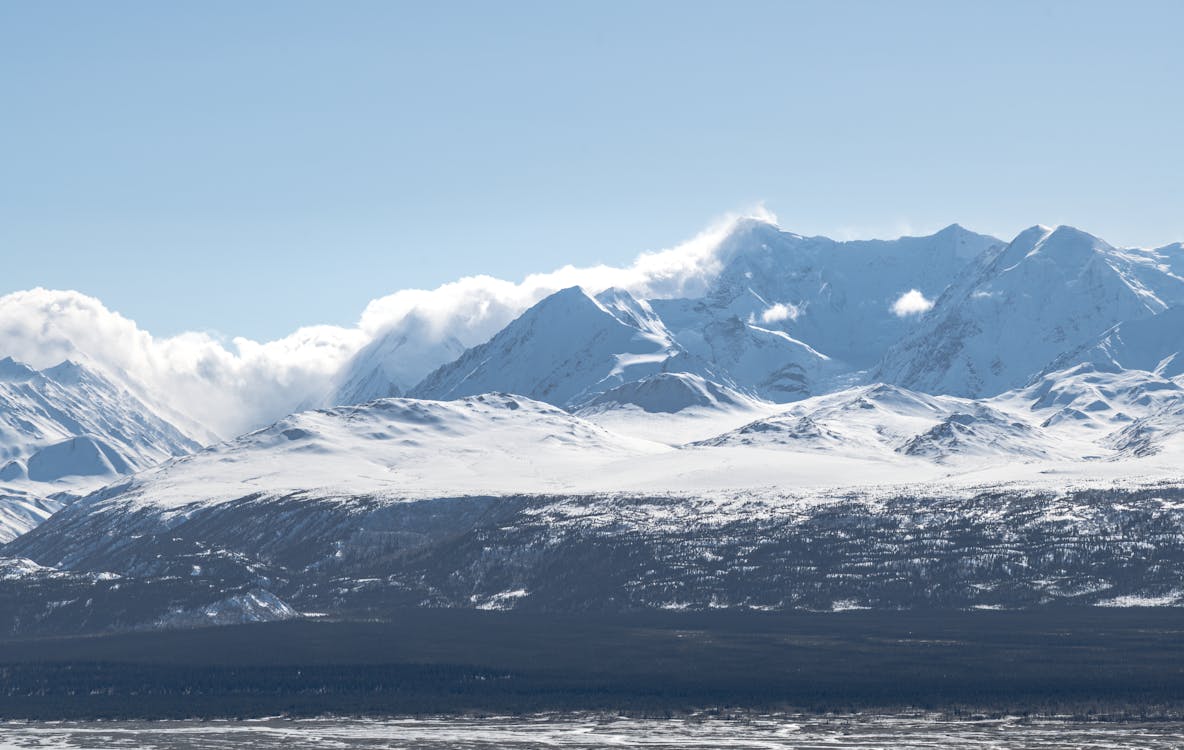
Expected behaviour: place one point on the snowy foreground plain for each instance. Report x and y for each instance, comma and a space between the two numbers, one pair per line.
867, 732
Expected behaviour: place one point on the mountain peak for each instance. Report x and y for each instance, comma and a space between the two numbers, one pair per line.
953, 229
748, 233
66, 372
1024, 243
1065, 245
1049, 292
1069, 234
565, 349
1069, 246
11, 369
569, 298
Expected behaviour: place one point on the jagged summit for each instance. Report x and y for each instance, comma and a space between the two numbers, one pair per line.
68, 402
69, 429
68, 371
12, 370
1047, 293
564, 350
392, 363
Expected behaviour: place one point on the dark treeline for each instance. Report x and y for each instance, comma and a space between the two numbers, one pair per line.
1083, 662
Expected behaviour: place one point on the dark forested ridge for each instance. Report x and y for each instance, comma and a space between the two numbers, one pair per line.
1123, 662
613, 603
116, 566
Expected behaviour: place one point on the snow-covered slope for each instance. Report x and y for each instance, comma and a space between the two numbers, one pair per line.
780, 317
1154, 344
865, 420
1047, 293
486, 444
667, 393
69, 429
393, 362
571, 347
836, 297
1119, 415
500, 444
879, 420
21, 510
765, 362
564, 350
53, 407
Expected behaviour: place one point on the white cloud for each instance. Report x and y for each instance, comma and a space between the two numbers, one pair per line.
780, 313
233, 386
225, 387
911, 302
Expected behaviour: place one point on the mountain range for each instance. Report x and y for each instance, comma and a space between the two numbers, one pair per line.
954, 365
787, 317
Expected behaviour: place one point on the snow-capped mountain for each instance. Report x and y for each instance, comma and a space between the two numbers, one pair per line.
501, 444
69, 420
565, 350
392, 363
1154, 344
836, 297
782, 317
1049, 292
67, 429
949, 369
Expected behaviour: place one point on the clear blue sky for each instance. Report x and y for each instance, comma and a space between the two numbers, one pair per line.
248, 167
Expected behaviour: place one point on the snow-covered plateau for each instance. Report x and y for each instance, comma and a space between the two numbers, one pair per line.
946, 421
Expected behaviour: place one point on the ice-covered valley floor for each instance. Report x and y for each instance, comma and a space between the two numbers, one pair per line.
860, 732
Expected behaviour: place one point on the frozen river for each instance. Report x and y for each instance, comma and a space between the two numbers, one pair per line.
799, 732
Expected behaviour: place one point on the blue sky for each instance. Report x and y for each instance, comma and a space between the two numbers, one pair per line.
247, 168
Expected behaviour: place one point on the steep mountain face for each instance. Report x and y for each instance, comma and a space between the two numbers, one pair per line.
21, 510
564, 350
783, 317
667, 393
763, 362
68, 429
392, 363
43, 413
1154, 344
1047, 293
836, 297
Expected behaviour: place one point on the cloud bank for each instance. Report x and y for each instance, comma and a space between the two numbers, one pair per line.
233, 386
